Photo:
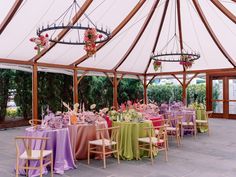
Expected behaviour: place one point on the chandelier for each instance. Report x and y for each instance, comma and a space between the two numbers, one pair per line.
80, 29
173, 52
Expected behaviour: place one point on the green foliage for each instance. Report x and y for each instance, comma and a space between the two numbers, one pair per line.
164, 93
11, 112
129, 89
52, 90
5, 85
23, 97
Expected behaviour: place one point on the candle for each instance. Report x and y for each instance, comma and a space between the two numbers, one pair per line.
83, 107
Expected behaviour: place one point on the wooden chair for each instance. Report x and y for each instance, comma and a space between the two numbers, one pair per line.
154, 143
105, 146
189, 124
205, 122
173, 127
35, 123
45, 157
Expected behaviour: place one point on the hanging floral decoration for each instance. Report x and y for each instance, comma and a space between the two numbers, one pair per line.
90, 37
186, 61
41, 42
156, 65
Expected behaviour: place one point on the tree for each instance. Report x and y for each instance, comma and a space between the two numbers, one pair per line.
5, 85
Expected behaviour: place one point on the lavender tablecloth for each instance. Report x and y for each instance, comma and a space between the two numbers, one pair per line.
59, 142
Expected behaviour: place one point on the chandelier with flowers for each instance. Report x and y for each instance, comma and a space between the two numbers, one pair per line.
86, 32
173, 52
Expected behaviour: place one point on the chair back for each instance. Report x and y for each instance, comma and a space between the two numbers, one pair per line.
34, 123
158, 122
114, 133
208, 114
28, 144
161, 132
188, 116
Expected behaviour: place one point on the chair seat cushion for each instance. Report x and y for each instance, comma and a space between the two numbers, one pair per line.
171, 128
201, 121
153, 139
35, 154
99, 142
187, 123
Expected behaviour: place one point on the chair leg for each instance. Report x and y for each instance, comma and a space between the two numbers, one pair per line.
17, 167
103, 156
151, 153
118, 153
88, 153
166, 156
52, 165
208, 129
41, 167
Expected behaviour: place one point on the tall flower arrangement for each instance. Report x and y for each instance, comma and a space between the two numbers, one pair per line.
90, 37
41, 42
156, 65
186, 61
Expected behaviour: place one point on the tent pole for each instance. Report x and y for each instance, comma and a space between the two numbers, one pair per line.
35, 91
145, 99
184, 89
115, 85
75, 86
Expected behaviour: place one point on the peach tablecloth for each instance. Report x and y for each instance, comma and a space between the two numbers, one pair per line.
80, 134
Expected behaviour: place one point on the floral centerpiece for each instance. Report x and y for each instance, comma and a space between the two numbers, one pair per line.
156, 65
90, 37
72, 113
41, 42
186, 61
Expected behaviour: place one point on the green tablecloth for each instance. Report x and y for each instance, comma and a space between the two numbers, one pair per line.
129, 134
200, 115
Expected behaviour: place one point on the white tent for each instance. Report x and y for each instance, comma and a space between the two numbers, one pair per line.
129, 50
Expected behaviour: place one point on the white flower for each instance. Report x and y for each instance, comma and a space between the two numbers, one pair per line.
93, 106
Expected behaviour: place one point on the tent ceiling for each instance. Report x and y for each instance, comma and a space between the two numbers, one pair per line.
14, 40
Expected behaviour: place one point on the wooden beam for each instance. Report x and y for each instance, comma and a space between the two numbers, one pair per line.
141, 31
64, 31
108, 78
180, 25
180, 28
191, 79
49, 65
224, 10
10, 15
181, 83
212, 34
35, 92
81, 77
145, 99
158, 33
121, 77
75, 87
153, 77
140, 79
13, 61
184, 91
194, 71
115, 31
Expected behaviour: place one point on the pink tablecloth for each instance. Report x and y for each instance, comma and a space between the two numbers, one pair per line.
80, 134
59, 142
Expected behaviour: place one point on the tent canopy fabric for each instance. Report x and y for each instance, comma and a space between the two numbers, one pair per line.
130, 49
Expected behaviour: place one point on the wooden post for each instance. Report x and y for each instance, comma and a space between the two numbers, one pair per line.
184, 89
75, 87
115, 85
35, 91
145, 99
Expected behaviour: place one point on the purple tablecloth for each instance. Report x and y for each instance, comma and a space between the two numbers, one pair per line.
59, 142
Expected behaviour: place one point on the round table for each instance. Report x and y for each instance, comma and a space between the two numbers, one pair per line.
128, 138
59, 142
